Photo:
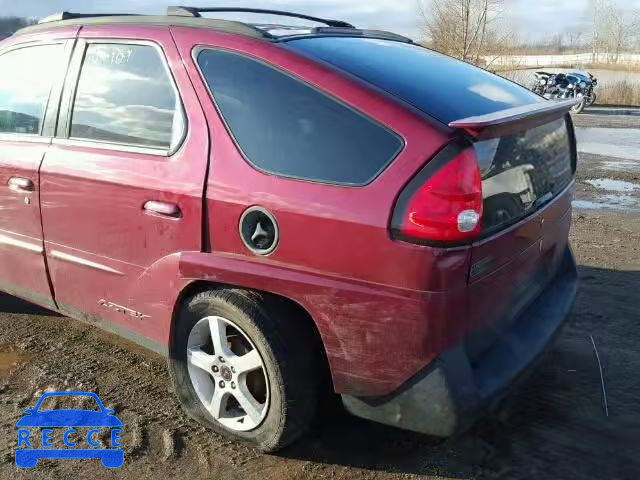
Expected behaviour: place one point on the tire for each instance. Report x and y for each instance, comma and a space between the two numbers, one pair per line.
286, 402
592, 99
579, 107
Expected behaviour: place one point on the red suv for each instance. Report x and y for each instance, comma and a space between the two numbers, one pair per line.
282, 209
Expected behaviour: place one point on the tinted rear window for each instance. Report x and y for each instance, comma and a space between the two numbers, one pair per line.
522, 172
286, 127
440, 86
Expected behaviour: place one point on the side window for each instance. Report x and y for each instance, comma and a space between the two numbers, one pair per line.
26, 78
126, 96
286, 127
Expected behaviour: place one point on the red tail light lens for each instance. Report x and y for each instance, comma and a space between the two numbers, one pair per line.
447, 207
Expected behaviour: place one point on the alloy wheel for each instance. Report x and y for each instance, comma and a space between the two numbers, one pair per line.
228, 373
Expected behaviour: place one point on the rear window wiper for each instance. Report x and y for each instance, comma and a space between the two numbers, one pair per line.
543, 200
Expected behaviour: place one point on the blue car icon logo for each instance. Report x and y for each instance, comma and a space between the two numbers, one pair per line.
33, 446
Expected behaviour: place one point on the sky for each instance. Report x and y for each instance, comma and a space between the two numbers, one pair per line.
534, 20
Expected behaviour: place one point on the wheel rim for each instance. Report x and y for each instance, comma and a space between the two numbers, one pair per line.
578, 106
228, 373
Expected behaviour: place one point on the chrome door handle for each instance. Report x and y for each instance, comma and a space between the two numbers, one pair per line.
163, 208
20, 185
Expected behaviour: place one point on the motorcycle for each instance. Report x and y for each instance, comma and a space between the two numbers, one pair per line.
563, 86
590, 84
541, 81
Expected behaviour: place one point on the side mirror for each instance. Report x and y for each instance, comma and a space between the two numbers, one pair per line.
29, 411
109, 411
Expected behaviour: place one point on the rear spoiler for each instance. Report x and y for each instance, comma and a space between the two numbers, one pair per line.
512, 120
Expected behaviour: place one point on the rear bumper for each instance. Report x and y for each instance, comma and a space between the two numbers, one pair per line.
447, 396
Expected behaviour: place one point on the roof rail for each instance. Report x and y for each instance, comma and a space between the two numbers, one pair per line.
58, 17
196, 12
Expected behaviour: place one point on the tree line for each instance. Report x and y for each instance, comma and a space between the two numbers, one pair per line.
478, 31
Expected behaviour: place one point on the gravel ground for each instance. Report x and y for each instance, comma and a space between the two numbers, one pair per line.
608, 117
554, 425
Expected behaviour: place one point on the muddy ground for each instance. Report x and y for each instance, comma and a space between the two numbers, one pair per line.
555, 425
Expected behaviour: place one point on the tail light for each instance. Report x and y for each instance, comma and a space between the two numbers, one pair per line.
443, 203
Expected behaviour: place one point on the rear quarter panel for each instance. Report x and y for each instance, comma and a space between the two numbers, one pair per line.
367, 293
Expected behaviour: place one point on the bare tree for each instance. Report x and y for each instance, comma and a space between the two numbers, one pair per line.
574, 39
462, 28
556, 42
623, 29
613, 29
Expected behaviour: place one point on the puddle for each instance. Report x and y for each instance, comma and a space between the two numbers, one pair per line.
622, 143
622, 201
587, 204
627, 152
616, 195
621, 165
8, 360
613, 185
620, 204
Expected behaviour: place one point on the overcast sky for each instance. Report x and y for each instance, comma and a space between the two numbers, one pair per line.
533, 19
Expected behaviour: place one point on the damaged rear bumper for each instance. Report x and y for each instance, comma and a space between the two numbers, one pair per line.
447, 396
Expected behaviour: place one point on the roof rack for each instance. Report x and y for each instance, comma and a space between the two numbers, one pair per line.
191, 17
58, 17
196, 12
86, 19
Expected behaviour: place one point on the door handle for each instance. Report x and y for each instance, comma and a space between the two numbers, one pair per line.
20, 185
162, 208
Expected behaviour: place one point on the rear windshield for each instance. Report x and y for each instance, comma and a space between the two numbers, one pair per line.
522, 172
440, 86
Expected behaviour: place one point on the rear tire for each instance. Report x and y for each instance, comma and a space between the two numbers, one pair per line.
284, 406
579, 107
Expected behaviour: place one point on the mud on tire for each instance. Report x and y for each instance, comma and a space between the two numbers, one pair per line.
285, 346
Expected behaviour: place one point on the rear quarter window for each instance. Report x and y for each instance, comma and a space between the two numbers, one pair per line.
286, 127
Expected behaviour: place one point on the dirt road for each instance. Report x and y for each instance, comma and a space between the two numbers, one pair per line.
555, 425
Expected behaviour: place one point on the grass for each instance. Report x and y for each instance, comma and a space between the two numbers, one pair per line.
617, 67
619, 93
